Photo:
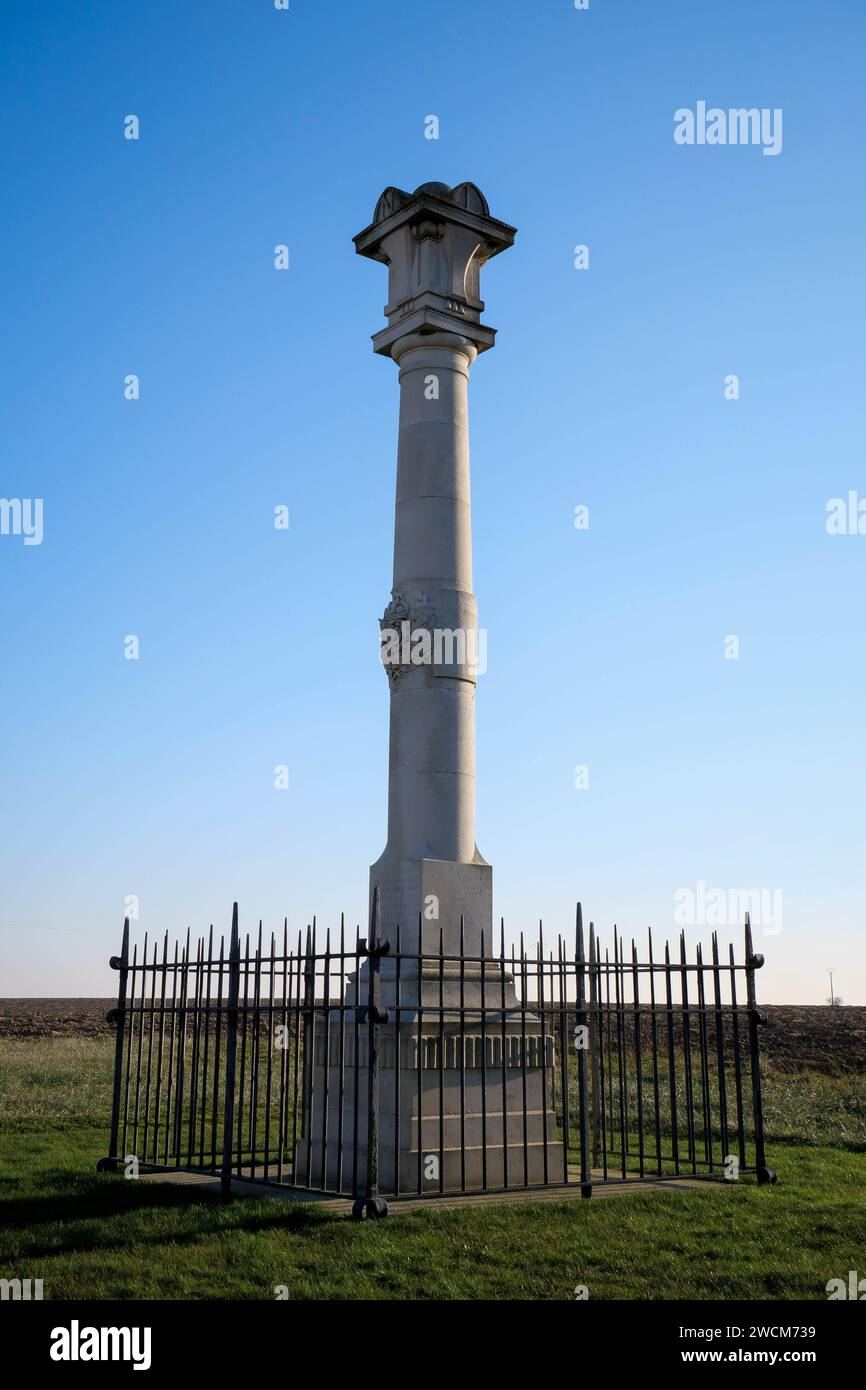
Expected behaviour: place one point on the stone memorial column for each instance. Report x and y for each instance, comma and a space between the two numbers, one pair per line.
434, 242
464, 1073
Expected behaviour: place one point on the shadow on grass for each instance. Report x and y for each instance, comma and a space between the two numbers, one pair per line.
78, 1199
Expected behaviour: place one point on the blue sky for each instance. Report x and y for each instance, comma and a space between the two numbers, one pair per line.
258, 647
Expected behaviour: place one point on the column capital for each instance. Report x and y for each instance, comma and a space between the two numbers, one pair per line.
434, 242
427, 342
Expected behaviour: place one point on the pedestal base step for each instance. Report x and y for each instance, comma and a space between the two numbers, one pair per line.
454, 1170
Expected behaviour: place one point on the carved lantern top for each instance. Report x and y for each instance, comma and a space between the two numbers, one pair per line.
434, 242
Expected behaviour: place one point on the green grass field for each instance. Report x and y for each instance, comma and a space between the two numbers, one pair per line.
89, 1236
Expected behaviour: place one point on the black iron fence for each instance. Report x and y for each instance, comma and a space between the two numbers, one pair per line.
371, 1070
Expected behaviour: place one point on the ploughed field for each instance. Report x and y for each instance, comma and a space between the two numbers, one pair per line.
796, 1037
55, 1018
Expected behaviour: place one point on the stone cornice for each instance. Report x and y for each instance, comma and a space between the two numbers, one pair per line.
434, 242
498, 235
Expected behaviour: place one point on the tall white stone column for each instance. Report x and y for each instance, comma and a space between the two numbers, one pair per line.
431, 800
434, 243
462, 1065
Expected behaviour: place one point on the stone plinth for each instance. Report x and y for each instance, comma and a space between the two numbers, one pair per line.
487, 1109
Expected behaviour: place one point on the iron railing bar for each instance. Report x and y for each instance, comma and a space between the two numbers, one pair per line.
231, 1052
638, 1061
504, 1058
269, 1070
687, 1056
206, 1056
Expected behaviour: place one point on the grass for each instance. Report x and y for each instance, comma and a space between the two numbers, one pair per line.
816, 1109
55, 1083
90, 1236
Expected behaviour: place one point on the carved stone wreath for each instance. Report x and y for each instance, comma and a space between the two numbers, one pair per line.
418, 612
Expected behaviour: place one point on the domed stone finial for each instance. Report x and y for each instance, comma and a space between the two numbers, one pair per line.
437, 190
434, 242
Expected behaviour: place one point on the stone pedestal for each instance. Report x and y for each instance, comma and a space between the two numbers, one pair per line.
493, 1117
427, 898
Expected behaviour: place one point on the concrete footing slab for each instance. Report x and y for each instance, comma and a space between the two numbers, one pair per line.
342, 1206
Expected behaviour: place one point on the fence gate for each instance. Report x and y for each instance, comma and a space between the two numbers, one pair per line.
363, 1068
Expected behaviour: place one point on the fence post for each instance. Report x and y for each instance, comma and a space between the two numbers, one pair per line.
309, 1017
231, 1053
582, 1095
118, 1017
753, 963
373, 1205
595, 1044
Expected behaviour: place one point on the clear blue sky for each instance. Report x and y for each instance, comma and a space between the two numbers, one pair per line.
259, 387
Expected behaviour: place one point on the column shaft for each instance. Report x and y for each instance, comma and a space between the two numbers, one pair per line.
431, 793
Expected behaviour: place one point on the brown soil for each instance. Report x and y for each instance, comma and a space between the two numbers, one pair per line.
55, 1018
814, 1037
